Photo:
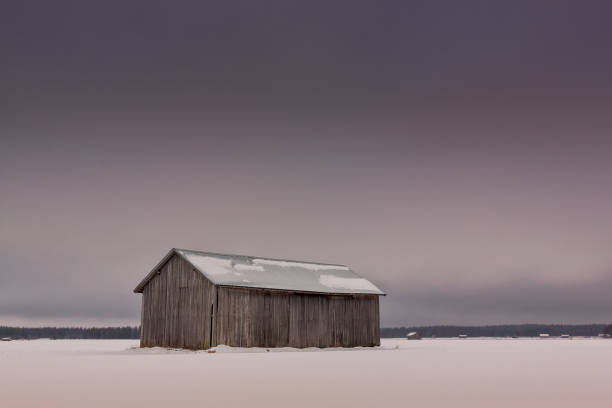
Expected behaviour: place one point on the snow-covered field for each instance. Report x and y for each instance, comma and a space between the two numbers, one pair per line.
426, 373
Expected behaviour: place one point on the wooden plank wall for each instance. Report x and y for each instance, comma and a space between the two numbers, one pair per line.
176, 312
260, 318
176, 307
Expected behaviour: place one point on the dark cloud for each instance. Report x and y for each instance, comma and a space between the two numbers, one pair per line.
455, 153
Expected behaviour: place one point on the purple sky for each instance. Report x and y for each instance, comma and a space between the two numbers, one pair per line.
457, 154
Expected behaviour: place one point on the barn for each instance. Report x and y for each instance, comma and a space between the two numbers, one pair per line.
196, 300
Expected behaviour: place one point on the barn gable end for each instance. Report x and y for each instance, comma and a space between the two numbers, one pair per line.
176, 307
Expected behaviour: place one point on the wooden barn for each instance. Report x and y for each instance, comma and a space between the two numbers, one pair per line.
197, 300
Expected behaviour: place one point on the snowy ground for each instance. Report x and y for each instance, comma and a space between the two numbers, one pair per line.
426, 373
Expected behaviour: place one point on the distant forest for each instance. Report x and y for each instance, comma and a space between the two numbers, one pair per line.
506, 330
519, 330
70, 332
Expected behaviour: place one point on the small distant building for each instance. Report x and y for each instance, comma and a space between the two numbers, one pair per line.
198, 300
544, 335
413, 336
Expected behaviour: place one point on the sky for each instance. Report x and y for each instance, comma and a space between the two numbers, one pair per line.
457, 154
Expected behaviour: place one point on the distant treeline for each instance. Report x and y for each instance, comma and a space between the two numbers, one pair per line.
507, 330
126, 332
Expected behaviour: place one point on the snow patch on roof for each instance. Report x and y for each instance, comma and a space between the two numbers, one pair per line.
246, 267
305, 265
336, 282
247, 271
212, 266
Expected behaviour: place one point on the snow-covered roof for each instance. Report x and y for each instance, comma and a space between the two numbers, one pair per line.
268, 273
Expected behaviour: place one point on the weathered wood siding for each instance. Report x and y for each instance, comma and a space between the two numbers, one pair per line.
266, 318
176, 307
181, 308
